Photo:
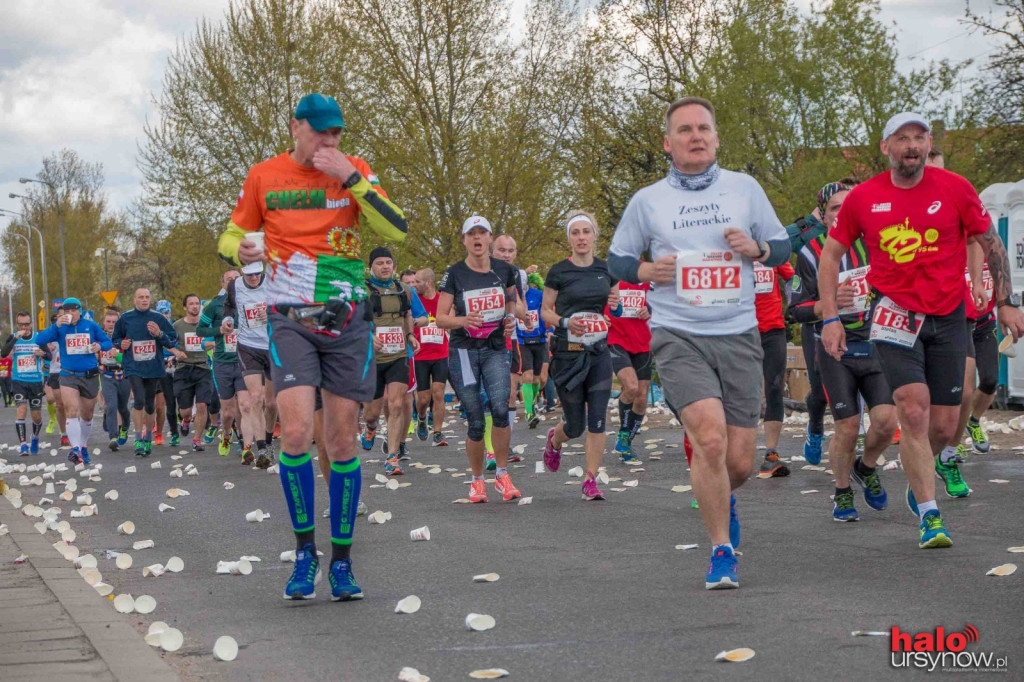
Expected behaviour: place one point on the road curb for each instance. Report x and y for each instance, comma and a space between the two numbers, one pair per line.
121, 647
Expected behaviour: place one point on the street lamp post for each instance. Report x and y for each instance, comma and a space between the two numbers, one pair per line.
106, 268
42, 253
60, 233
31, 280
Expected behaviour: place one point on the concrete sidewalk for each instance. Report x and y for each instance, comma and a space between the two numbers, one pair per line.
54, 625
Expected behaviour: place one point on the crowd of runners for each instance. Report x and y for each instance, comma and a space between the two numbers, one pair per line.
898, 282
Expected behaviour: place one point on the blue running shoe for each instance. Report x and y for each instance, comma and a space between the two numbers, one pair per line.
34, 445
722, 570
812, 448
421, 430
24, 449
367, 438
912, 503
734, 523
933, 533
874, 493
343, 583
843, 509
625, 451
122, 437
302, 584
83, 452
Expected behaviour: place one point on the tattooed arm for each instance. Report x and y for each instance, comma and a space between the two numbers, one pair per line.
1011, 318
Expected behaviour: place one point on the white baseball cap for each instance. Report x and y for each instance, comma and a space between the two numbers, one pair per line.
254, 268
476, 221
901, 119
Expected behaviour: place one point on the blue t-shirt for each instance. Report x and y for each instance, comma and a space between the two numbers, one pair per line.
142, 358
26, 366
73, 341
533, 301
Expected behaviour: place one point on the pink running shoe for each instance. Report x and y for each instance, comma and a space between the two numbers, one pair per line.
552, 457
590, 489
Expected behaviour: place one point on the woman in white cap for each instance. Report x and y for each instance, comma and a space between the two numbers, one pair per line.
478, 295
576, 291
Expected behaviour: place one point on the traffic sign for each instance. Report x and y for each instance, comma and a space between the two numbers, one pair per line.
109, 296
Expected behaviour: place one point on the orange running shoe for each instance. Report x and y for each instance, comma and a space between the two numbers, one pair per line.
477, 491
158, 439
896, 437
503, 484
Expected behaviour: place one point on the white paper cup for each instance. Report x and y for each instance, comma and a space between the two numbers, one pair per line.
124, 603
225, 648
123, 561
377, 517
67, 496
255, 516
153, 570
176, 473
258, 238
486, 578
71, 552
103, 589
156, 627
62, 526
85, 561
171, 639
143, 544
478, 622
49, 489
145, 604
1007, 347
69, 535
228, 485
91, 576
193, 472
41, 527
288, 557
419, 534
156, 465
126, 528
175, 565
111, 495
163, 506
409, 605
538, 467
71, 484
241, 567
129, 470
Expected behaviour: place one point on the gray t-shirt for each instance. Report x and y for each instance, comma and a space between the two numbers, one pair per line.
665, 220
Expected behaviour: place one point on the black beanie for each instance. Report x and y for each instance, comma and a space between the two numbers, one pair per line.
380, 252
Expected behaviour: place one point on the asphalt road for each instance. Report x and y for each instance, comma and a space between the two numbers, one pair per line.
588, 591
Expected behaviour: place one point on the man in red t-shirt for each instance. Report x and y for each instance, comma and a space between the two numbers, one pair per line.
916, 223
772, 327
629, 341
432, 360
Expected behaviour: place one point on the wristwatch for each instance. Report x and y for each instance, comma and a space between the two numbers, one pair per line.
1012, 299
764, 249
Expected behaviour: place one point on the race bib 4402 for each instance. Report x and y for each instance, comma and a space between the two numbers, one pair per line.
633, 301
708, 278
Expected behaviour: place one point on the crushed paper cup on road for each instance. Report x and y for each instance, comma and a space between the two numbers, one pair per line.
124, 603
240, 567
1004, 570
686, 547
478, 622
225, 649
249, 558
228, 485
682, 488
90, 575
156, 465
41, 527
418, 534
178, 492
67, 495
123, 561
486, 578
163, 506
288, 557
89, 510
85, 561
408, 674
489, 674
69, 535
575, 472
171, 639
145, 604
156, 627
176, 473
409, 605
103, 589
380, 478
997, 480
807, 492
525, 500
175, 564
154, 570
49, 489
126, 528
1007, 347
143, 544
392, 484
111, 495
379, 517
538, 467
869, 633
192, 472
735, 655
631, 484
129, 470
1015, 550
255, 516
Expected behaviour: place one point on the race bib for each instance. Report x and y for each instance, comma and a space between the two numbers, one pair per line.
143, 350
891, 324
27, 364
193, 343
256, 316
55, 363
3, 372
109, 357
489, 302
431, 334
633, 301
392, 338
764, 279
986, 282
231, 342
596, 328
77, 344
708, 278
534, 317
858, 278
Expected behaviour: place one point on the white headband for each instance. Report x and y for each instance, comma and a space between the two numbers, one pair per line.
576, 219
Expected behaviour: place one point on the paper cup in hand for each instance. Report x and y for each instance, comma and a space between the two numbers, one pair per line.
478, 622
257, 238
1007, 347
420, 534
126, 528
255, 516
225, 649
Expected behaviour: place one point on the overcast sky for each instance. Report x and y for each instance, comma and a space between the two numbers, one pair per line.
82, 73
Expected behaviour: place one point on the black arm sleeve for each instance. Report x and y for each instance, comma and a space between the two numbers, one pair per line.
8, 346
230, 307
781, 250
805, 292
626, 268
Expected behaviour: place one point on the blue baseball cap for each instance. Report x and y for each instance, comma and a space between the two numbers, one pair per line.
70, 302
163, 306
320, 111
